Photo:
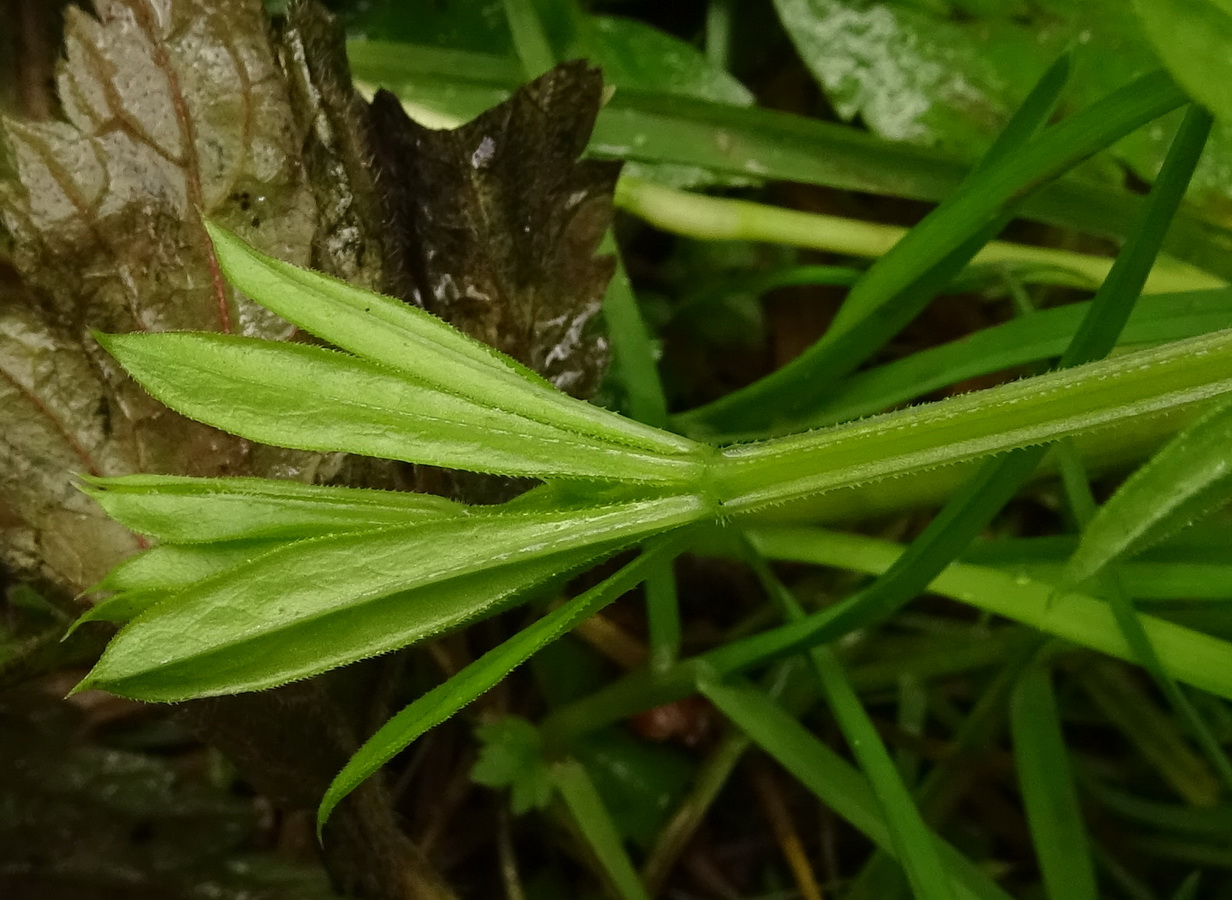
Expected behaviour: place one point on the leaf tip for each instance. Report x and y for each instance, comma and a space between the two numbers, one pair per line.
328, 802
103, 339
218, 234
86, 683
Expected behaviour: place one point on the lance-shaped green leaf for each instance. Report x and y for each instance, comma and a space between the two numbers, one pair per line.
310, 398
119, 608
158, 574
423, 347
312, 605
1188, 478
183, 510
169, 567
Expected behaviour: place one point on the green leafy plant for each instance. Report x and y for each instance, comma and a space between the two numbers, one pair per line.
408, 387
248, 583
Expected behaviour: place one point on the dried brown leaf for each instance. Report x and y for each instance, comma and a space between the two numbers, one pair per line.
494, 225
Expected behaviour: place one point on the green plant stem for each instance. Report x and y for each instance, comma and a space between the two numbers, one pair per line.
1096, 335
720, 219
998, 480
1050, 407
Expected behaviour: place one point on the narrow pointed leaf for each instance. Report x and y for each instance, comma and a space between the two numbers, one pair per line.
119, 608
1188, 478
422, 346
157, 575
310, 398
169, 567
316, 604
194, 510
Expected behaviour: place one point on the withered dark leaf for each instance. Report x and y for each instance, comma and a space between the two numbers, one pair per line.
331, 114
494, 225
171, 108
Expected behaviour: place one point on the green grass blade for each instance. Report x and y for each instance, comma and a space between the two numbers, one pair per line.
1097, 334
967, 214
982, 497
633, 353
310, 398
596, 826
313, 605
1032, 115
1053, 814
1082, 504
831, 779
942, 788
1160, 736
1189, 656
1173, 571
1095, 337
914, 843
1027, 339
529, 40
186, 510
443, 701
